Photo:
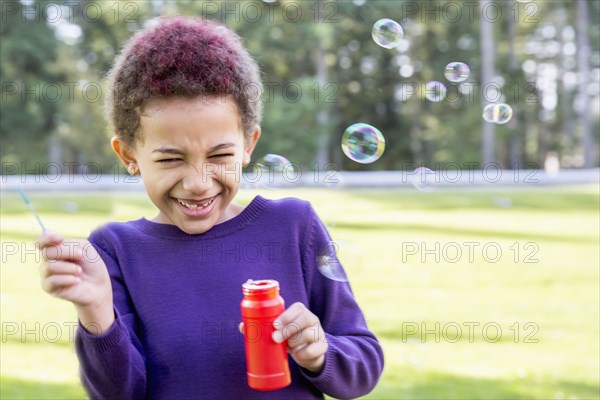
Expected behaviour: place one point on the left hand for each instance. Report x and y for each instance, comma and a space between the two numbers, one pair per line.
304, 334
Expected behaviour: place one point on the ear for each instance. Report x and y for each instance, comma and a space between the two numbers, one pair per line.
125, 154
250, 144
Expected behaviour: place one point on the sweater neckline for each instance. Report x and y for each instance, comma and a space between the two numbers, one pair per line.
233, 225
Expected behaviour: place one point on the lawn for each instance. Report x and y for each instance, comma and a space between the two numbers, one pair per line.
474, 294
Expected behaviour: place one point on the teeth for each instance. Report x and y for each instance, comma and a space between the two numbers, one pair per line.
196, 205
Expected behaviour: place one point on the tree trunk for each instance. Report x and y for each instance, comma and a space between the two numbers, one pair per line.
487, 73
323, 114
515, 141
565, 99
415, 133
55, 149
583, 50
543, 135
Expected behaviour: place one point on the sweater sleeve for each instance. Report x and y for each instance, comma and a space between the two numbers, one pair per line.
112, 364
354, 358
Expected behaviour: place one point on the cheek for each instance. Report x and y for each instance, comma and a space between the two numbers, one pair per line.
158, 180
232, 171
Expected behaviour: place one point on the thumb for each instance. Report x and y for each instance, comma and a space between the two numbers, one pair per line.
47, 239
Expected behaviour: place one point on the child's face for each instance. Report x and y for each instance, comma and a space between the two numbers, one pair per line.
190, 157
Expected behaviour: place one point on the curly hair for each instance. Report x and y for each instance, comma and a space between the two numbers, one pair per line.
181, 57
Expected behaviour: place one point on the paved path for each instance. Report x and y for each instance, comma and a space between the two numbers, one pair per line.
490, 178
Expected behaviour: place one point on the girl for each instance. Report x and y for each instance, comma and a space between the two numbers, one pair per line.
158, 300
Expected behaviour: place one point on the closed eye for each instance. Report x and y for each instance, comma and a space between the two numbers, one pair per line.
221, 155
168, 160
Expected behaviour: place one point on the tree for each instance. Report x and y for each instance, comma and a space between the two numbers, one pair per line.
31, 90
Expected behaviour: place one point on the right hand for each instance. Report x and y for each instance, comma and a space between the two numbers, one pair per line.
74, 271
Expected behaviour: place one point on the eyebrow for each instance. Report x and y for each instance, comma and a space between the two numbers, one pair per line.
171, 150
167, 150
221, 146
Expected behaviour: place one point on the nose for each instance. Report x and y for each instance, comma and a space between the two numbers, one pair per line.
199, 180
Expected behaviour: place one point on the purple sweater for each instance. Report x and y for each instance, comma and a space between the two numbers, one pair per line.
177, 305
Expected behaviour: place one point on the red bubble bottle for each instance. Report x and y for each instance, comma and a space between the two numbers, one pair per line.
266, 361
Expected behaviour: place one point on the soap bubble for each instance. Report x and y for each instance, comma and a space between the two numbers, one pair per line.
363, 143
423, 179
435, 91
274, 163
328, 263
387, 33
499, 113
457, 72
270, 171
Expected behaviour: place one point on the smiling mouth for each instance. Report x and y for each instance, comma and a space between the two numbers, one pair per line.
195, 205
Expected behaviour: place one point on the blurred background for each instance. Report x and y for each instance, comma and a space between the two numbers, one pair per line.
323, 72
488, 289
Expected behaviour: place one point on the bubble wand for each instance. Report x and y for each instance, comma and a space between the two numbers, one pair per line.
26, 200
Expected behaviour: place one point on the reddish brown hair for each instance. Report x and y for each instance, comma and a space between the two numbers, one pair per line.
181, 57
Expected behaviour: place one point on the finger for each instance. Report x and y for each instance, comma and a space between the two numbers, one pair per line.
88, 251
289, 315
297, 333
48, 239
295, 350
309, 356
241, 327
302, 337
62, 292
61, 267
54, 282
305, 324
62, 252
308, 352
294, 335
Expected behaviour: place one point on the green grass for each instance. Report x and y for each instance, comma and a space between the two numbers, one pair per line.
541, 290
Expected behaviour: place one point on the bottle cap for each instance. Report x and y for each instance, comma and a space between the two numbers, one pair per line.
263, 285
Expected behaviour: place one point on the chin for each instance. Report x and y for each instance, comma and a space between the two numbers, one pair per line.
194, 229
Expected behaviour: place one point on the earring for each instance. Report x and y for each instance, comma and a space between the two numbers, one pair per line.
132, 169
